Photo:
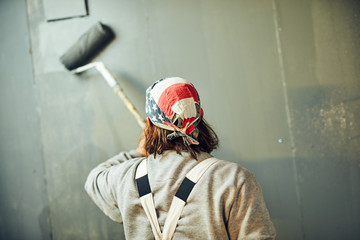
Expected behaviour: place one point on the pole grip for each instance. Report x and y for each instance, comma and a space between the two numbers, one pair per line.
120, 92
115, 86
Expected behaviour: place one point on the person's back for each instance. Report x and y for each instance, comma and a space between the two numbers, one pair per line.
225, 203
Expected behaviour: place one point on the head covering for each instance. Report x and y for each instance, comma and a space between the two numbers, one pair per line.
174, 104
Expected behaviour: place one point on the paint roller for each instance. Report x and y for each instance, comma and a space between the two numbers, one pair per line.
87, 47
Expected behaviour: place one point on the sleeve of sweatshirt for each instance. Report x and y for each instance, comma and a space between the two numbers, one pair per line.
99, 183
249, 218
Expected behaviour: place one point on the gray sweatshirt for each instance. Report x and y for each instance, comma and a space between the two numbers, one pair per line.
226, 203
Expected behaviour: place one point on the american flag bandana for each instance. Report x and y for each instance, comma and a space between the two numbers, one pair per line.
174, 104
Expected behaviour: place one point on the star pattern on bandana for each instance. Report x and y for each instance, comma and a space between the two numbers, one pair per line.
154, 112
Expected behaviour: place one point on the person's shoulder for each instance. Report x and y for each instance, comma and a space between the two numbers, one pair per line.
125, 162
232, 172
234, 168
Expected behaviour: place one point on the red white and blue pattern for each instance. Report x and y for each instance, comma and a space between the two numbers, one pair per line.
174, 104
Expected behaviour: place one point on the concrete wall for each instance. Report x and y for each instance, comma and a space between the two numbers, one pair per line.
278, 80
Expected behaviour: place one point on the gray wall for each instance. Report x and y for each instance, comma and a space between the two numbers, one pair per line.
278, 80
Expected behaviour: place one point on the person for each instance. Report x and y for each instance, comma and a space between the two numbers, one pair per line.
171, 187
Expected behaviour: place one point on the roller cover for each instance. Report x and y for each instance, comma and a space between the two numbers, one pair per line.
88, 45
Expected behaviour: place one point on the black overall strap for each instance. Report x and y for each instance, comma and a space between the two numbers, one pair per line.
178, 201
146, 198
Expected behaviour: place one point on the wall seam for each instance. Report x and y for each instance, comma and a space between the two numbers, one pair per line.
38, 111
288, 113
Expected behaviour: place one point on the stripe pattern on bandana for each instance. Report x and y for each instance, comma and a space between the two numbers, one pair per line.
174, 104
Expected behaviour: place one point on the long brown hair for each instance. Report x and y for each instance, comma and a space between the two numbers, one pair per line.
156, 141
